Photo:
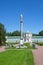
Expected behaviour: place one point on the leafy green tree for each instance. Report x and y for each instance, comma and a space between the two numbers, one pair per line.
2, 34
35, 34
8, 34
16, 33
41, 33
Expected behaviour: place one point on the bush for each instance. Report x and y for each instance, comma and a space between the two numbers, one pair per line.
40, 43
28, 45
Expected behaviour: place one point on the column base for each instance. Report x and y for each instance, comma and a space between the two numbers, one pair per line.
21, 41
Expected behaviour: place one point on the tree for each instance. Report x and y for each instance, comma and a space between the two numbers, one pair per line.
2, 34
8, 34
16, 33
41, 33
35, 34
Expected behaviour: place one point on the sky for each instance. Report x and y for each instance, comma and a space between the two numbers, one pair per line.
32, 11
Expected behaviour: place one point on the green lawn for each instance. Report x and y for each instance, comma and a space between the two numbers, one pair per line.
16, 57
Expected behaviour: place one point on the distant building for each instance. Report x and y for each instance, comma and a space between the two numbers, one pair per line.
27, 37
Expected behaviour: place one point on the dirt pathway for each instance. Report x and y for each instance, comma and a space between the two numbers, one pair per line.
38, 55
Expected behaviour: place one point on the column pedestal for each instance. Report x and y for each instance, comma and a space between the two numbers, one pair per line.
21, 41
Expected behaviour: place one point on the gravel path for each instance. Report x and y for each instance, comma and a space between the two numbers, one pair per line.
2, 48
38, 55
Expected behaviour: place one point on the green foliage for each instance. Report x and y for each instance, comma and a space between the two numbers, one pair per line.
16, 57
35, 34
28, 45
15, 33
2, 34
8, 34
41, 33
40, 43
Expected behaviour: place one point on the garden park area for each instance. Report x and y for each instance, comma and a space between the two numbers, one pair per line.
20, 54
14, 56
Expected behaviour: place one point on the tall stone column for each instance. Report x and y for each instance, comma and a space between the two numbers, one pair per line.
21, 23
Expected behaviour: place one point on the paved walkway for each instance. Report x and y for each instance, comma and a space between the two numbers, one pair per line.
38, 55
2, 48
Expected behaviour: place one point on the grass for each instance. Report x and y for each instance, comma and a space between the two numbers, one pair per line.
29, 58
16, 57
